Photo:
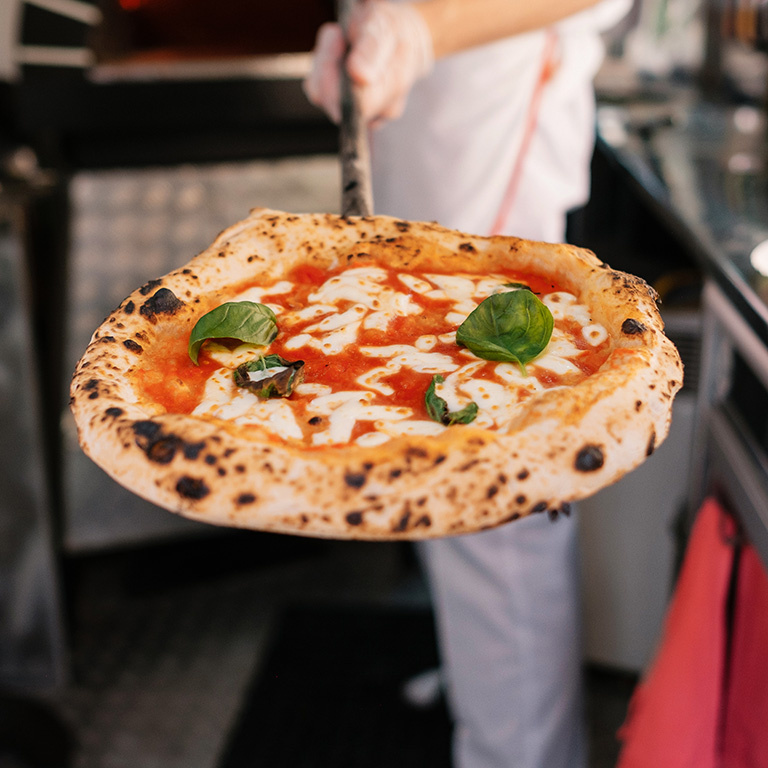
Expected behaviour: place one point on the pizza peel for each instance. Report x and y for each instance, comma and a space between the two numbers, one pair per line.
356, 194
407, 489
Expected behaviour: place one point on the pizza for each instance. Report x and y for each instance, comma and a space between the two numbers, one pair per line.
374, 378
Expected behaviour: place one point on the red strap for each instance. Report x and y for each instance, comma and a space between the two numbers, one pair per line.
549, 65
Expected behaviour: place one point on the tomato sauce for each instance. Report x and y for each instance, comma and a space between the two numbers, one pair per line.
169, 378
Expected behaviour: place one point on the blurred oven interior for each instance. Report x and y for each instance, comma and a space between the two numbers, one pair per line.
131, 133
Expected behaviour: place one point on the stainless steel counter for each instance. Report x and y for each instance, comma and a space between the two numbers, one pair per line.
702, 168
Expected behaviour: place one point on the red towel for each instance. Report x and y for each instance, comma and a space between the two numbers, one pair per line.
675, 713
745, 743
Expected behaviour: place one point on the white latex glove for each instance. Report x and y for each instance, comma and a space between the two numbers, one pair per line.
390, 48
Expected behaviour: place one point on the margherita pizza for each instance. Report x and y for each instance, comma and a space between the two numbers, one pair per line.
376, 378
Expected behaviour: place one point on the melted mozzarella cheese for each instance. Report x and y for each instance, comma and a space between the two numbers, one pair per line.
312, 312
233, 357
409, 427
405, 355
415, 284
345, 409
330, 344
458, 288
372, 379
594, 334
223, 399
363, 298
565, 306
256, 293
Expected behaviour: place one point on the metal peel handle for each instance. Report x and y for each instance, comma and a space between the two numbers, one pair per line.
356, 193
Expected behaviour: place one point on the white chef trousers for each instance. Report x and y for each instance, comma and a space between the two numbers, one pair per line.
506, 600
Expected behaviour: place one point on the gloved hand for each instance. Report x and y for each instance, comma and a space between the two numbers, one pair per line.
390, 48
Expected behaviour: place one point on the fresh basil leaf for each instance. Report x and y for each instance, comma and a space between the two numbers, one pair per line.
512, 327
437, 408
242, 320
270, 376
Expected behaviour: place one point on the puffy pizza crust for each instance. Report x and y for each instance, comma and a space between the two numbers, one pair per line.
567, 444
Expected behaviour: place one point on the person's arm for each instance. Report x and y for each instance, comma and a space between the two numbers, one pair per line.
456, 25
393, 44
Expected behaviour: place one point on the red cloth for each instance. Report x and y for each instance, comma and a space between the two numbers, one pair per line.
745, 743
674, 715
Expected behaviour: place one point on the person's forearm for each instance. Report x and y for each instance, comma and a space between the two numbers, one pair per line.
459, 24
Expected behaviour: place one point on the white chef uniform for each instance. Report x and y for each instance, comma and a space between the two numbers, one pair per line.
498, 139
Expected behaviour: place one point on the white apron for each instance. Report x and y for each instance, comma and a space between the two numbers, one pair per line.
498, 139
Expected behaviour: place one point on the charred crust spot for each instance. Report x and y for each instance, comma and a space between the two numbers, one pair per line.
150, 285
563, 509
146, 428
315, 420
425, 521
523, 474
540, 507
93, 396
440, 459
638, 405
192, 487
131, 345
417, 453
163, 302
402, 523
403, 226
106, 339
240, 469
210, 459
163, 450
354, 518
91, 384
245, 498
492, 491
114, 412
395, 473
129, 308
469, 465
467, 248
368, 466
651, 444
355, 479
589, 459
159, 446
192, 450
632, 327
511, 518
521, 499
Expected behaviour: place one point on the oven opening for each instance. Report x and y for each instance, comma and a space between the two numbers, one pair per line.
159, 31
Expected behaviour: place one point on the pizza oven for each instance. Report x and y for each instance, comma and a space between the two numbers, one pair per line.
153, 82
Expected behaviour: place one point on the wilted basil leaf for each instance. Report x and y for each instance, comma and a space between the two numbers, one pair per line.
242, 320
270, 376
437, 408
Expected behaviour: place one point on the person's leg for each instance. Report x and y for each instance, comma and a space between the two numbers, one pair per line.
507, 613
